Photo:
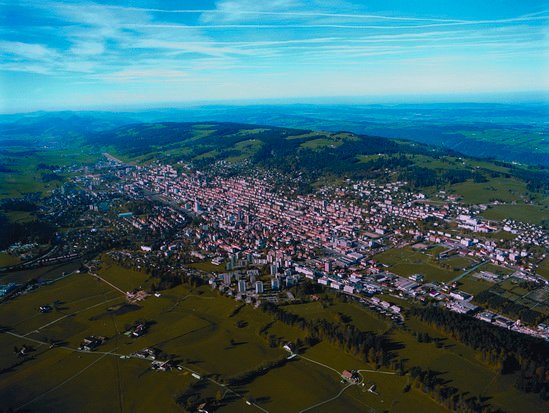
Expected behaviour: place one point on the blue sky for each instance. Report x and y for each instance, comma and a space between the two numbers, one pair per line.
80, 54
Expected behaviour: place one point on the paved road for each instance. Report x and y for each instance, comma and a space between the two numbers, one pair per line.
108, 283
319, 363
470, 270
112, 158
377, 371
328, 400
78, 373
70, 315
331, 398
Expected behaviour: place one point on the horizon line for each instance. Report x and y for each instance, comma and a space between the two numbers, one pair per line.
525, 97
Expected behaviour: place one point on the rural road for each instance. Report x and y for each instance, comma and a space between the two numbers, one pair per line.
470, 270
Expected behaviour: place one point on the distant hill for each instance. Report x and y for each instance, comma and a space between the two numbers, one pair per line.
313, 154
204, 143
508, 132
58, 129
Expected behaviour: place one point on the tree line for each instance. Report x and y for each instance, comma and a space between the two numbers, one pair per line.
508, 351
364, 345
430, 383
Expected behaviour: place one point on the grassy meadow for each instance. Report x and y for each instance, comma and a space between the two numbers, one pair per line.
405, 262
197, 327
24, 175
532, 214
457, 364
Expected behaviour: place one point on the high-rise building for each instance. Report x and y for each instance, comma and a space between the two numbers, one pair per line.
275, 284
242, 286
258, 287
291, 281
227, 278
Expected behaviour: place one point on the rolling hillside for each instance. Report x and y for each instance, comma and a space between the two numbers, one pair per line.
317, 155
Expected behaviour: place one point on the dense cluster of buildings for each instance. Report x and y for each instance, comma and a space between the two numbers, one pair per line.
330, 237
246, 223
247, 215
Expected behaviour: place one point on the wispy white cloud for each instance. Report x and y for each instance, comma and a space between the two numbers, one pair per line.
285, 26
245, 10
132, 75
238, 10
209, 49
25, 67
29, 51
242, 10
87, 47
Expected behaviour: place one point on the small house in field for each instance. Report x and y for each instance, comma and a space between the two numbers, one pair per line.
289, 347
45, 308
202, 408
91, 343
350, 376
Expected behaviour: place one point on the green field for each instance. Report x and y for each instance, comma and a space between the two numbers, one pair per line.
473, 285
460, 365
315, 380
353, 313
20, 216
312, 134
195, 326
500, 235
406, 262
502, 189
458, 263
533, 140
123, 278
25, 177
200, 329
496, 269
428, 162
246, 148
7, 259
49, 272
207, 266
323, 140
543, 268
367, 158
434, 251
533, 214
321, 143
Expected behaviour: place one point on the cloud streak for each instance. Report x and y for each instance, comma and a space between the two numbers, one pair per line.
542, 15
